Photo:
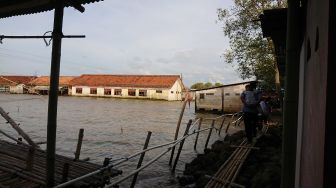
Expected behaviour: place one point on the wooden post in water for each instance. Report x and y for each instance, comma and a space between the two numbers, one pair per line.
65, 172
79, 144
220, 128
177, 129
30, 158
209, 135
181, 146
198, 128
141, 158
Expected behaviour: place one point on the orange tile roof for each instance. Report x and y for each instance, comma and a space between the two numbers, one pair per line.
45, 80
15, 80
144, 81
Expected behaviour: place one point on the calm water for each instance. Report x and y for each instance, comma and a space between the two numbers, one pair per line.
113, 128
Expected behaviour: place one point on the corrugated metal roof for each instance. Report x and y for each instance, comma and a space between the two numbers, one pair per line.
138, 81
227, 85
9, 8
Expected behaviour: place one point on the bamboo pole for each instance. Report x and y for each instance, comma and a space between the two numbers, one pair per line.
16, 127
181, 145
177, 129
141, 158
79, 144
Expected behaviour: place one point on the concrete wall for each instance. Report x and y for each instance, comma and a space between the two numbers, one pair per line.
216, 98
151, 92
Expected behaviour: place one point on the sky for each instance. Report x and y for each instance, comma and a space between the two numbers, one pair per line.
126, 37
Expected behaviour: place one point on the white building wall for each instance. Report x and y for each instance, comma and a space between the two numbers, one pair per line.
18, 89
175, 93
151, 92
213, 98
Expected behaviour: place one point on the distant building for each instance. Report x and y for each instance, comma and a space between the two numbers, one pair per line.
162, 87
15, 84
40, 85
224, 98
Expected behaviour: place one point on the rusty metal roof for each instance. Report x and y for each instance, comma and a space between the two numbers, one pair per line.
9, 8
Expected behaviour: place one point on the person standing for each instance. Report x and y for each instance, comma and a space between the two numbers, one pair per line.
250, 100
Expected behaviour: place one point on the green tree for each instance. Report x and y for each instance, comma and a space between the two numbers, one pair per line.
208, 84
218, 84
253, 54
198, 85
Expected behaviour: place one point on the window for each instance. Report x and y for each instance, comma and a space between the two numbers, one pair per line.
237, 94
107, 91
79, 90
210, 94
201, 95
93, 91
158, 91
131, 92
172, 92
143, 93
227, 94
117, 92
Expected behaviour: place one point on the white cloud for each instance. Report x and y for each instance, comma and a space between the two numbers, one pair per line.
126, 36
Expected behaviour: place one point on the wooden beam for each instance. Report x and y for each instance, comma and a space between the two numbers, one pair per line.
16, 127
53, 94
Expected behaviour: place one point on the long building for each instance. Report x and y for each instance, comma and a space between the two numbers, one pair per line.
224, 98
161, 87
15, 84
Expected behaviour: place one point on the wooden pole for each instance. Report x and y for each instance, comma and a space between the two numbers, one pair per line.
16, 127
53, 94
290, 115
198, 128
177, 129
79, 144
222, 100
181, 145
141, 158
209, 135
65, 172
221, 126
30, 158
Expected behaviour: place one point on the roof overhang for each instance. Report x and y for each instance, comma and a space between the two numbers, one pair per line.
274, 25
9, 8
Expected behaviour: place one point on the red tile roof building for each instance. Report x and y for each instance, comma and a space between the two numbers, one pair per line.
164, 87
15, 84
